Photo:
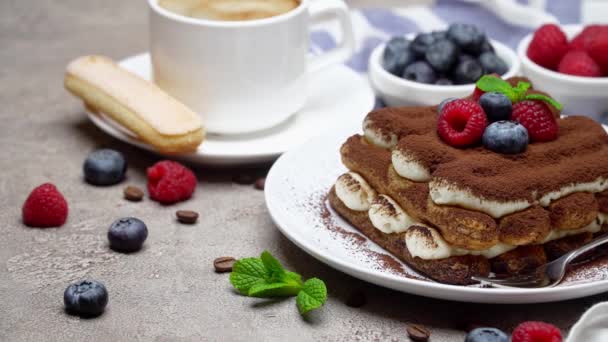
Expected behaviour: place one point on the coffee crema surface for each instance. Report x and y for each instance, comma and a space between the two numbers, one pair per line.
229, 10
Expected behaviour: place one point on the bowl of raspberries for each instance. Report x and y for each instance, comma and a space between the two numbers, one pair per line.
570, 62
427, 67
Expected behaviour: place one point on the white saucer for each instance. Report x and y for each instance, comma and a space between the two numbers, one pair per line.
337, 96
296, 190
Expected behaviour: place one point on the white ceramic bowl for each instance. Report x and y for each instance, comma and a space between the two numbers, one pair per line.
396, 91
579, 95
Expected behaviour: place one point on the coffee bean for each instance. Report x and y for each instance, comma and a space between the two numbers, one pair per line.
418, 332
356, 299
187, 216
133, 193
223, 264
260, 183
243, 179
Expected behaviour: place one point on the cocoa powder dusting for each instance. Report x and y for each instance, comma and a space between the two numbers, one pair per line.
580, 154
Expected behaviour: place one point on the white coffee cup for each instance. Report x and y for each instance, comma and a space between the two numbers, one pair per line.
242, 76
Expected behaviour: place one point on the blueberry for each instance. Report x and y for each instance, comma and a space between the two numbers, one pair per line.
443, 81
87, 298
496, 105
127, 234
421, 43
464, 57
397, 55
442, 55
104, 167
486, 46
467, 37
486, 335
443, 103
467, 72
420, 72
439, 35
492, 64
506, 137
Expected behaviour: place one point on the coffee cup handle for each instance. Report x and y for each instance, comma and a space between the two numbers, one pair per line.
346, 48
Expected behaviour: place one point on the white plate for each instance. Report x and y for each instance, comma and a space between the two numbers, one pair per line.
295, 190
328, 106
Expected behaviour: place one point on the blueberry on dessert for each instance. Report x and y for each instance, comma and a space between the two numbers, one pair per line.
104, 167
86, 298
397, 55
127, 234
507, 137
486, 335
496, 105
420, 72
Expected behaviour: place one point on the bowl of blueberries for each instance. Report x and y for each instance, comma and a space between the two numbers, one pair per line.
425, 68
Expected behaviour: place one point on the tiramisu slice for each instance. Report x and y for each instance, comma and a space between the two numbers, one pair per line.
454, 194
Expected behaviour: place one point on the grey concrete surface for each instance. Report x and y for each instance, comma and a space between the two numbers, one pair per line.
168, 291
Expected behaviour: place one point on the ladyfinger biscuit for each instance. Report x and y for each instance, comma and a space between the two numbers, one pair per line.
140, 106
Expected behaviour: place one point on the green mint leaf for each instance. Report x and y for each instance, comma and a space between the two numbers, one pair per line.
275, 290
490, 83
520, 90
293, 277
247, 273
545, 98
273, 266
312, 295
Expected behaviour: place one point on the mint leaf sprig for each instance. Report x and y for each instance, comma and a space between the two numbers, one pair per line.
265, 277
516, 94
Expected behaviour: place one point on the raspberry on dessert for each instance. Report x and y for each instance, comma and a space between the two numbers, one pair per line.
537, 118
597, 47
45, 207
536, 332
548, 46
170, 182
578, 43
462, 123
579, 63
477, 94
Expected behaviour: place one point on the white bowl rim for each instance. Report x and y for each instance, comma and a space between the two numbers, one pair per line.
522, 48
376, 66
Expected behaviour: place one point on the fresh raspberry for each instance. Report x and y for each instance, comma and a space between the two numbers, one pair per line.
45, 207
536, 332
462, 123
548, 46
579, 63
578, 43
537, 118
597, 47
170, 182
477, 94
